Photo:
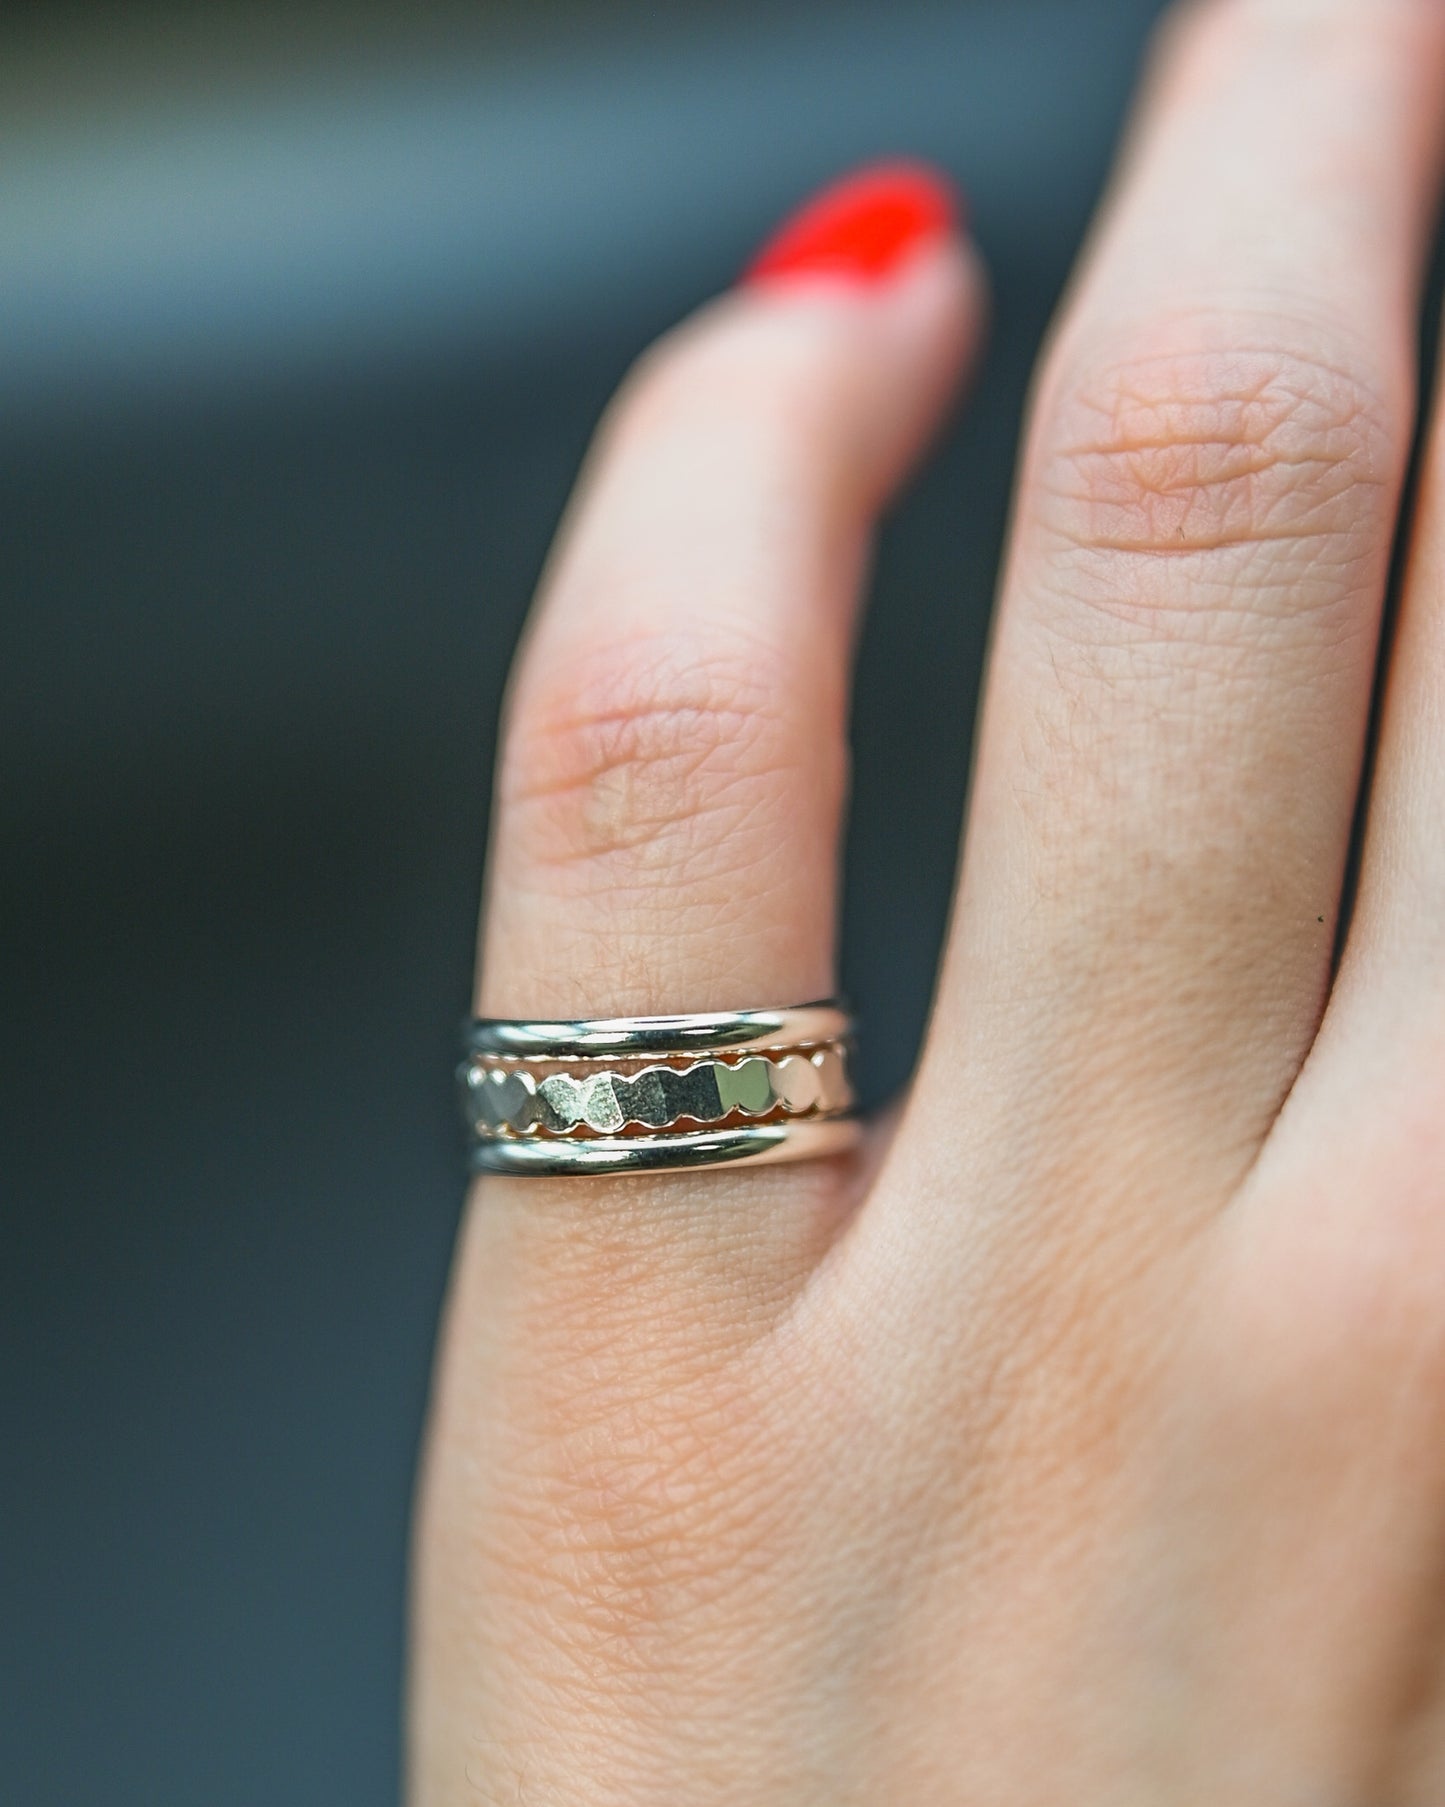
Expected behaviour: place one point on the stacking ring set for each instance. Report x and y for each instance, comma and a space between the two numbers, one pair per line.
656, 1093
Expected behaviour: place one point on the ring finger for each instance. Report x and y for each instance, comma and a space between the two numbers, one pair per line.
673, 763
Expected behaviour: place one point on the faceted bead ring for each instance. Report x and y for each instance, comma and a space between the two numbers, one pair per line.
647, 1094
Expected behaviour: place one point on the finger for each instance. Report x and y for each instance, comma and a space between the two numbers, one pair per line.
673, 765
1181, 678
673, 761
665, 841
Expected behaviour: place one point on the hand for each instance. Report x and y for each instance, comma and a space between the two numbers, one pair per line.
1085, 1441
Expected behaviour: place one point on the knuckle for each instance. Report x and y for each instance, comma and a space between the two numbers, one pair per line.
648, 759
1219, 454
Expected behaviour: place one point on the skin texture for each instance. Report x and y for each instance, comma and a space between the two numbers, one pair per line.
1085, 1440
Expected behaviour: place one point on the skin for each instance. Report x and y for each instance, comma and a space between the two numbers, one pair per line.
1085, 1440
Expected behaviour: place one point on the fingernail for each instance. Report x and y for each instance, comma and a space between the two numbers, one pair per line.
862, 229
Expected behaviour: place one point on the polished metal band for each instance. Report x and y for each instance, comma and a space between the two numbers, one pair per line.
649, 1094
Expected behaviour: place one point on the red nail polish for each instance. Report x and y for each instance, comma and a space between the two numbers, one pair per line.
860, 230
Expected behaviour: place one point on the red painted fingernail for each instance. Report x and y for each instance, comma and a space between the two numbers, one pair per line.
862, 229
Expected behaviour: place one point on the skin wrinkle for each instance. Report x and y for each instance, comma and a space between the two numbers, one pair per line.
625, 813
676, 792
686, 729
1207, 452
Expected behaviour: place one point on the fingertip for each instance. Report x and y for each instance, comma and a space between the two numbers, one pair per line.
862, 230
883, 264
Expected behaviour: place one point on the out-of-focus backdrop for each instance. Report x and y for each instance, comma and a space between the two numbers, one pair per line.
305, 312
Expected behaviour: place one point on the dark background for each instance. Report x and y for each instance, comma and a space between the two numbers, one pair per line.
304, 316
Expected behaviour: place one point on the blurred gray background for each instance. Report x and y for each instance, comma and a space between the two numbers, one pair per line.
305, 313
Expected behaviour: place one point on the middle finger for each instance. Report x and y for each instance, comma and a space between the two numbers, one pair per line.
1181, 679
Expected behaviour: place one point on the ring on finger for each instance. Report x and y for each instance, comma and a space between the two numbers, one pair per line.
653, 1093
